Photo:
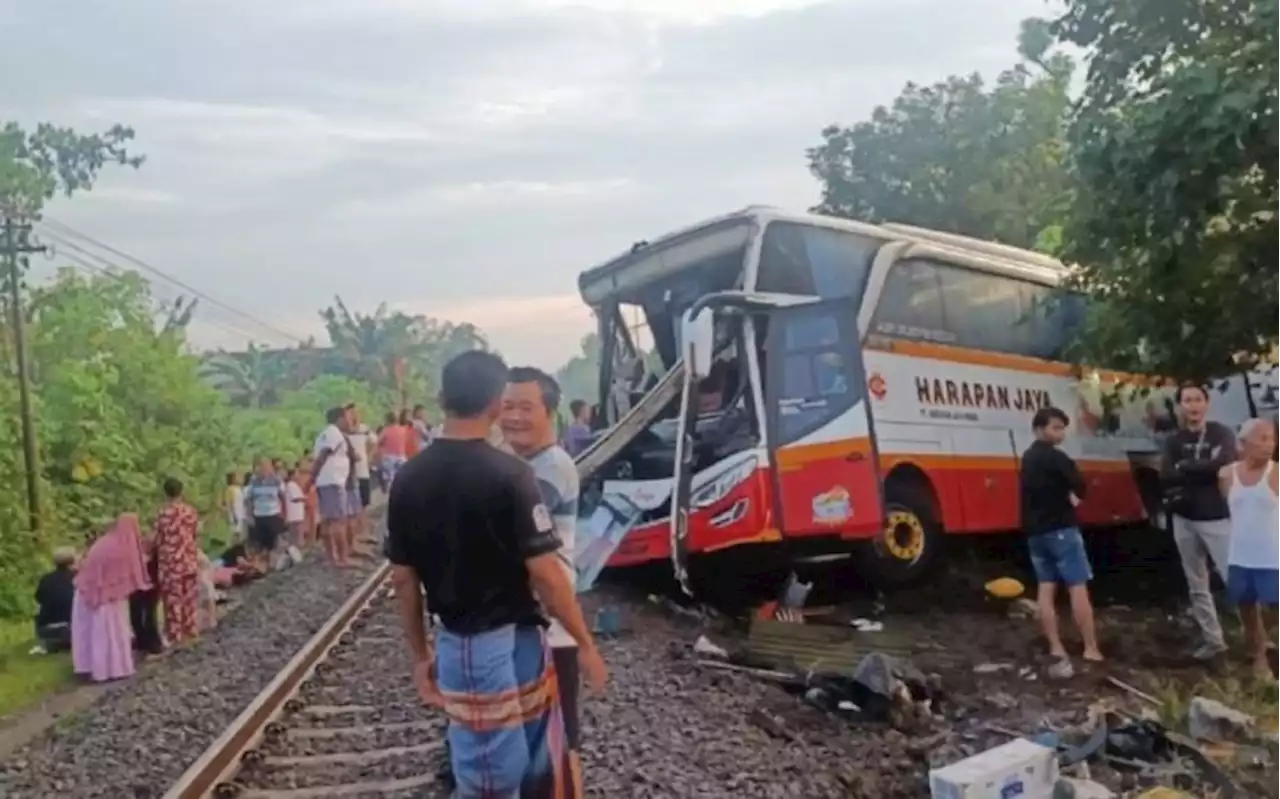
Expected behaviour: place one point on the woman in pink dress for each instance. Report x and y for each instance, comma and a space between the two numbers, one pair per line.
112, 570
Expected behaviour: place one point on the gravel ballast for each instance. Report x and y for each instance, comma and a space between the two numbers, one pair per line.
143, 733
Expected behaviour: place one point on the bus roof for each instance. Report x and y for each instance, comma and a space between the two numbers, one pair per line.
649, 260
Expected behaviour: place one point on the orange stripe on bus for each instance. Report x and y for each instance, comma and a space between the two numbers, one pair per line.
1004, 360
768, 535
797, 455
985, 462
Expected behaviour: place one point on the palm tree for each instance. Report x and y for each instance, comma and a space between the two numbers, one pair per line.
371, 345
252, 378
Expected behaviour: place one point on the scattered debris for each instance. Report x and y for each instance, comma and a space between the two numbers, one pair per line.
1124, 686
1210, 720
771, 724
1005, 588
1073, 788
608, 621
795, 593
992, 668
704, 647
1023, 608
1017, 768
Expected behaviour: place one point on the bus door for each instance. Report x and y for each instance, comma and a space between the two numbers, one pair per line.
819, 429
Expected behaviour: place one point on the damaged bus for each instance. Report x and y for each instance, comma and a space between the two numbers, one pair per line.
813, 388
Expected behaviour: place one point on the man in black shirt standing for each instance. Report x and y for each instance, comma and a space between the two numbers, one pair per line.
1051, 489
465, 521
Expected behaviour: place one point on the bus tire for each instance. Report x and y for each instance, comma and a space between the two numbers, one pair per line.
910, 546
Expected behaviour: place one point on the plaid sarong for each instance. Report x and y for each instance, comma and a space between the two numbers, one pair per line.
506, 733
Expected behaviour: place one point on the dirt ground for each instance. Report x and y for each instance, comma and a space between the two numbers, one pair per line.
987, 660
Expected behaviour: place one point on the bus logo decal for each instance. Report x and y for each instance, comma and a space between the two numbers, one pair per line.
877, 386
832, 507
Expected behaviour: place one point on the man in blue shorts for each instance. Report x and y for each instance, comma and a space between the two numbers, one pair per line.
1251, 487
1052, 487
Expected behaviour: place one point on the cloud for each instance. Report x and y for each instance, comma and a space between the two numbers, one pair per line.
473, 156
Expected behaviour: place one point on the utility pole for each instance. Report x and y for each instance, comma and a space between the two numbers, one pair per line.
14, 244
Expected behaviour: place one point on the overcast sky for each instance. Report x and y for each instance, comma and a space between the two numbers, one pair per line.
461, 158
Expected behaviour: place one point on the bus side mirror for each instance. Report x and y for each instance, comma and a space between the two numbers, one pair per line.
699, 341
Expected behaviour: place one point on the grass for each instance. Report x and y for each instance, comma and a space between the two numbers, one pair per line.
25, 679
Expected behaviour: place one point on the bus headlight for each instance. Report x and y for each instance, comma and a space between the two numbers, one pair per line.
718, 487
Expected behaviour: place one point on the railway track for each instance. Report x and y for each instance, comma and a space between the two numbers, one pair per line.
340, 720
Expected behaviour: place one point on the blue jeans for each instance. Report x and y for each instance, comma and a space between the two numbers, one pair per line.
1059, 557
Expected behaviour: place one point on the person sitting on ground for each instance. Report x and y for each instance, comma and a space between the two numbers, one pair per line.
55, 595
208, 614
1253, 555
1051, 488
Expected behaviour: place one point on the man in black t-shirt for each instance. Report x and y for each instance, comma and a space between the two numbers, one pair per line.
465, 521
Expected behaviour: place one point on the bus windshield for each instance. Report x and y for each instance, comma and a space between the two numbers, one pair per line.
814, 261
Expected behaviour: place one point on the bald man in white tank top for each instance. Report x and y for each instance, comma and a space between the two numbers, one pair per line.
1253, 557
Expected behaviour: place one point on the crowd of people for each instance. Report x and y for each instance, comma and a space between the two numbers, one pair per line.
143, 593
130, 592
1219, 490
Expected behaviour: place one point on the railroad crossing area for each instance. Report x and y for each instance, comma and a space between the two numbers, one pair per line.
304, 692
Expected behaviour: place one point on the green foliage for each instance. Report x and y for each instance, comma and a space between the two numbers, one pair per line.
119, 407
1175, 152
35, 166
394, 350
958, 155
579, 378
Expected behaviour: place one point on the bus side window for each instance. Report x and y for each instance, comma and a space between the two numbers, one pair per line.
1056, 319
911, 305
986, 311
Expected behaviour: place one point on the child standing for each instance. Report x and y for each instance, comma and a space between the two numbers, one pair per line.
295, 514
233, 502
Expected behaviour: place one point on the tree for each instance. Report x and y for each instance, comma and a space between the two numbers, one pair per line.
959, 156
121, 404
250, 379
379, 346
1175, 151
579, 378
372, 344
35, 166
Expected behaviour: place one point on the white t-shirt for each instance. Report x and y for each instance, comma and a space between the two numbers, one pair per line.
557, 478
295, 510
236, 507
360, 441
337, 467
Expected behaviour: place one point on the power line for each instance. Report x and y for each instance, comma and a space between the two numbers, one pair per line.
110, 270
113, 270
62, 229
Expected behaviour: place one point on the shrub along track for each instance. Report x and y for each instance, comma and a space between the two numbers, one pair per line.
331, 723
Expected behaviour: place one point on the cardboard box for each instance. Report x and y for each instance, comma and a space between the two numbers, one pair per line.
1020, 769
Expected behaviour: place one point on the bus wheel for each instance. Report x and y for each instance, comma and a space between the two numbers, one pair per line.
911, 542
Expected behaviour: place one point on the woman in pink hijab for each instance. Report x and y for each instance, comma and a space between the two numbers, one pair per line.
112, 570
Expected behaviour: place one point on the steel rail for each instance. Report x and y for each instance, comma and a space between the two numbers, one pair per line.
222, 758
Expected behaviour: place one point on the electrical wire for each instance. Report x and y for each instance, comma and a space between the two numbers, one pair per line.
61, 230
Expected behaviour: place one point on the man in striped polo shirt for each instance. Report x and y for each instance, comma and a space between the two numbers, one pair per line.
528, 426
